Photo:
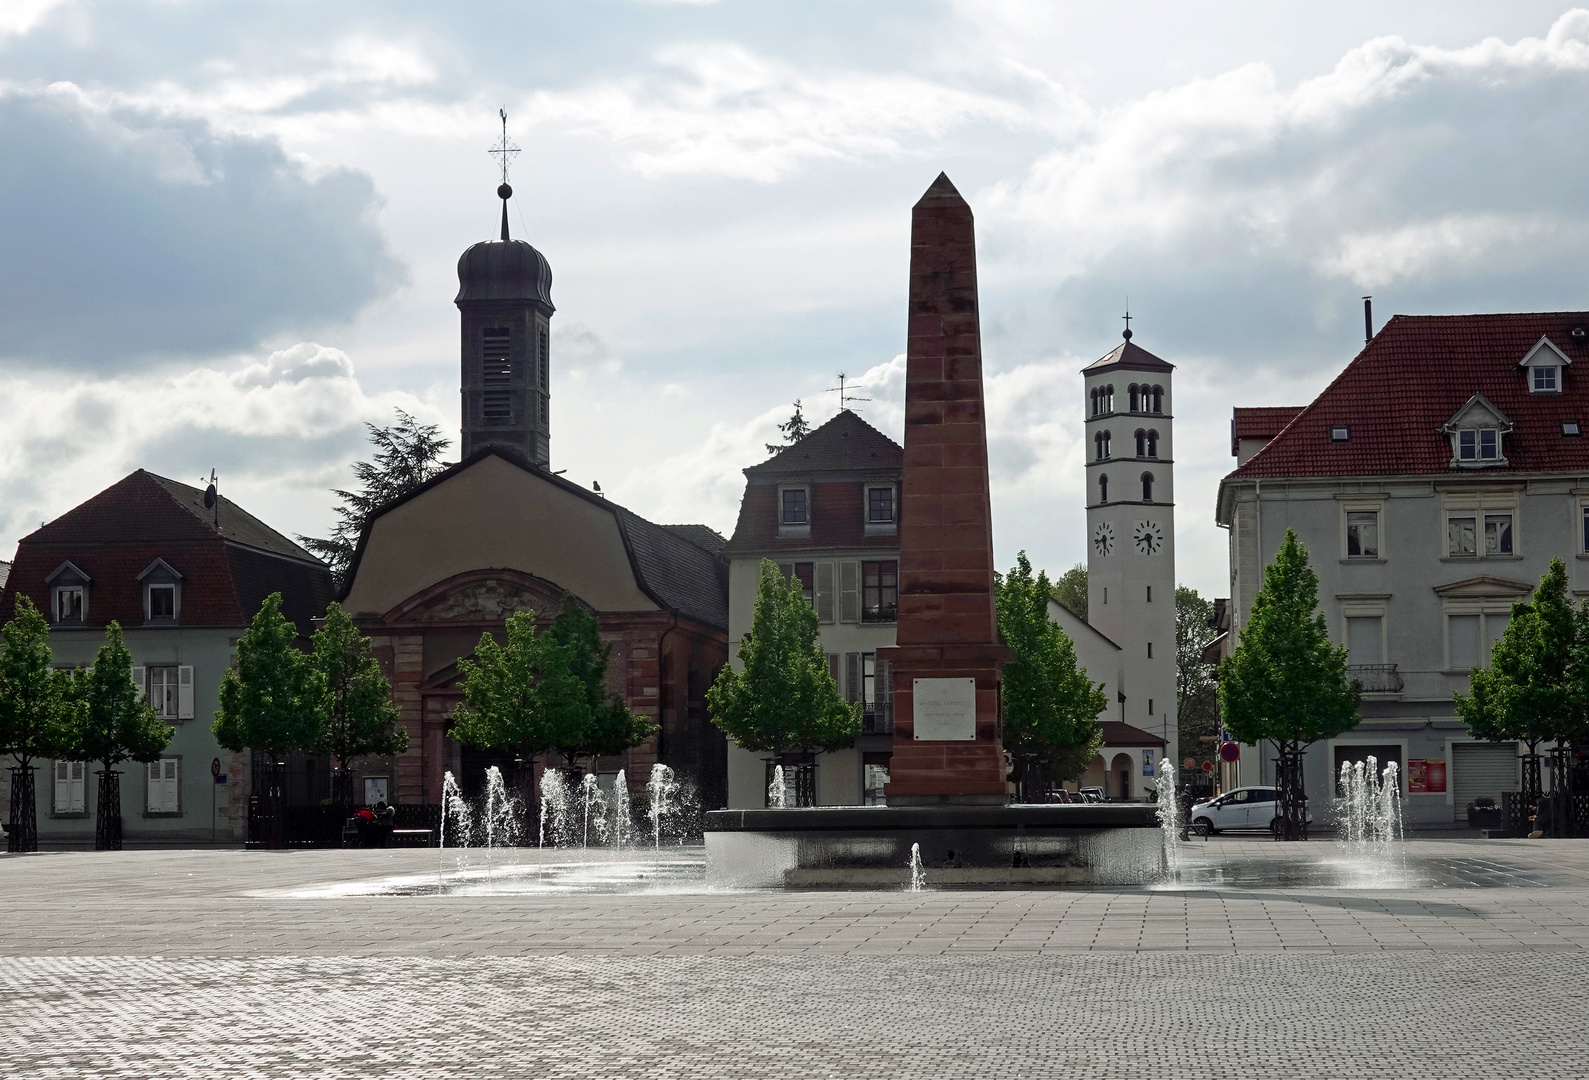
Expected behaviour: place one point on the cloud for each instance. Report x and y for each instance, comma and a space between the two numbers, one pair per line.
1244, 218
134, 236
21, 16
283, 429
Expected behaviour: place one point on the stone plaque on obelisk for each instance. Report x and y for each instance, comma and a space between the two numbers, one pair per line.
947, 649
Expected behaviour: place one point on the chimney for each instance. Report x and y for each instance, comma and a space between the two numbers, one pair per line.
1368, 319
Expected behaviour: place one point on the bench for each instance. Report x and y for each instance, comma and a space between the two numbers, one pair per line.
396, 838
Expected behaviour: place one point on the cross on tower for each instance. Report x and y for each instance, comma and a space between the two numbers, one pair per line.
505, 150
1127, 334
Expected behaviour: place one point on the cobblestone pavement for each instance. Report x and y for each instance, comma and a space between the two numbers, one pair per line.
179, 964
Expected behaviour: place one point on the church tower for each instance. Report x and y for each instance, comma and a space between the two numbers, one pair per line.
1131, 529
505, 303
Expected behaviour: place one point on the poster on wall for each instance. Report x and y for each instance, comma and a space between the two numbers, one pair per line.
1426, 776
1147, 763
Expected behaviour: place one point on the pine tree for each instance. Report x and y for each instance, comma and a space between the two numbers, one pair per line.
1286, 680
1050, 706
361, 719
36, 712
113, 723
794, 429
407, 454
1070, 591
785, 698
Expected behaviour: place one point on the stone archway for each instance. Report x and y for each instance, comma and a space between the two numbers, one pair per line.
1119, 786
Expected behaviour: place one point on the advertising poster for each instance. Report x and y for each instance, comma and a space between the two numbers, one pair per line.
1426, 776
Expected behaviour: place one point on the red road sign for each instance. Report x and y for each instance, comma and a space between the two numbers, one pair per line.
215, 766
1190, 763
1208, 766
1230, 752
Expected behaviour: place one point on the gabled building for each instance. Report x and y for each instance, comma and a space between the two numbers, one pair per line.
826, 510
1432, 482
183, 579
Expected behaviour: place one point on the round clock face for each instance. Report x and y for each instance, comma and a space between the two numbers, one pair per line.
1103, 538
1148, 537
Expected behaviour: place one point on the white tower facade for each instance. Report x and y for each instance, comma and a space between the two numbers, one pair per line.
1131, 529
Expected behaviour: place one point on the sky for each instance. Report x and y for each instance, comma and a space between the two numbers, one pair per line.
229, 231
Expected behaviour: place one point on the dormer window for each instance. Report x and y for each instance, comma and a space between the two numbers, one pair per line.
1546, 380
69, 603
68, 595
794, 511
162, 603
1477, 432
794, 506
1483, 444
1545, 366
880, 505
162, 593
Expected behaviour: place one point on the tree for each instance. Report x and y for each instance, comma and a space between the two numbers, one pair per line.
360, 718
1286, 680
611, 728
1050, 708
794, 429
113, 723
36, 712
1537, 684
785, 697
407, 454
1196, 688
521, 697
1070, 591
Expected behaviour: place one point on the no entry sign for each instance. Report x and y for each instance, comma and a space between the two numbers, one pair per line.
1229, 752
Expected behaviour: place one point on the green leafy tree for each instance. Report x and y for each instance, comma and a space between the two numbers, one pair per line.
36, 712
785, 698
407, 454
611, 727
275, 698
113, 723
1196, 688
521, 696
794, 429
360, 717
1537, 684
1286, 680
1050, 707
1070, 591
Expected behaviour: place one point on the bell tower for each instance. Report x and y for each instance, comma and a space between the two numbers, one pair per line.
1131, 529
505, 303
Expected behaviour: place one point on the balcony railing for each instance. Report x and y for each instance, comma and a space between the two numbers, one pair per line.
880, 613
1375, 678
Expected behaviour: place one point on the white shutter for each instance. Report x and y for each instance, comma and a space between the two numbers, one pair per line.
173, 801
184, 693
164, 789
824, 583
849, 591
140, 681
68, 796
77, 776
154, 793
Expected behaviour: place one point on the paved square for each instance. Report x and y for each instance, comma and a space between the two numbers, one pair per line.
177, 964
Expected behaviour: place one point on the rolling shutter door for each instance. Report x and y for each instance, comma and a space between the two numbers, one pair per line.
1481, 770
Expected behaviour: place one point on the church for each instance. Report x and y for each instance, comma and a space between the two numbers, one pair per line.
499, 533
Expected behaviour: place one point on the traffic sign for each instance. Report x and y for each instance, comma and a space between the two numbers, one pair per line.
1190, 763
1230, 752
215, 767
1208, 766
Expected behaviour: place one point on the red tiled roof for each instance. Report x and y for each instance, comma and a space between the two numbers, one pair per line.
1416, 373
1262, 422
1120, 733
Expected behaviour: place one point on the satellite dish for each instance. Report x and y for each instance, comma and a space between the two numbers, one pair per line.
209, 497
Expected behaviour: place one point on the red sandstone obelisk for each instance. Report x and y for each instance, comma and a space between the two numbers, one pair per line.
947, 663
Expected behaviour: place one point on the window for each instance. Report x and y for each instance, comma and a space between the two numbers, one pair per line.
794, 507
879, 591
1153, 444
163, 793
880, 505
1107, 396
68, 794
1136, 403
1147, 487
1103, 497
1545, 380
1571, 427
806, 574
1478, 444
1158, 399
1150, 594
546, 364
1464, 530
1340, 433
1470, 638
1101, 444
1362, 534
1150, 650
1150, 706
1093, 397
1497, 534
496, 375
1142, 443
69, 603
875, 776
163, 691
1365, 640
162, 603
1586, 529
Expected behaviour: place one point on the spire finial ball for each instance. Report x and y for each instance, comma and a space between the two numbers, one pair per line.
504, 191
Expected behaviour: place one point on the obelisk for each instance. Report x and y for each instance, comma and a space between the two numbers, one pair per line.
947, 662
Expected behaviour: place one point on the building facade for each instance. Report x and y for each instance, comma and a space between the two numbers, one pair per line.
1131, 529
1432, 482
183, 580
826, 510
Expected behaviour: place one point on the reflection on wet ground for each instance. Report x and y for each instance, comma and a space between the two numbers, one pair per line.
1332, 870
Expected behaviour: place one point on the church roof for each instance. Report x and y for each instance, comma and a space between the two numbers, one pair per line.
1129, 356
504, 270
677, 572
845, 442
702, 536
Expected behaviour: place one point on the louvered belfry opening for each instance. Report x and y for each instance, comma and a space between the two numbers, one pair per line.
496, 375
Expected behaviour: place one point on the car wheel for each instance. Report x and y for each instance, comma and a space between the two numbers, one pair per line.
1277, 828
1204, 827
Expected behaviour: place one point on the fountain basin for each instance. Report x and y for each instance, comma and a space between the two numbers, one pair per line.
869, 846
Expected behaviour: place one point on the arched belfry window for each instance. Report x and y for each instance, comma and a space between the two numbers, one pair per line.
1106, 444
1147, 487
1108, 398
1158, 399
1153, 444
1142, 442
1103, 487
1135, 400
1101, 442
1093, 395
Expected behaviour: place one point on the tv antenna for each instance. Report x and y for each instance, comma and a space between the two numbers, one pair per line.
845, 393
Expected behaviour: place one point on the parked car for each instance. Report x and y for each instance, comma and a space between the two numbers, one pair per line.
1092, 794
1238, 808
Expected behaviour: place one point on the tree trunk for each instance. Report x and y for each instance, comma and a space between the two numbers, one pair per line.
107, 820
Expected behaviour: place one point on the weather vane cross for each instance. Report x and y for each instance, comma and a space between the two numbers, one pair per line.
505, 150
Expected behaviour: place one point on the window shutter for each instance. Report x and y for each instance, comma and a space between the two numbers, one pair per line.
849, 591
154, 793
786, 569
63, 773
170, 801
184, 693
852, 678
824, 592
833, 668
140, 681
78, 774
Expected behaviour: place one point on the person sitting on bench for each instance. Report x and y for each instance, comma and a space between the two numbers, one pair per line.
365, 821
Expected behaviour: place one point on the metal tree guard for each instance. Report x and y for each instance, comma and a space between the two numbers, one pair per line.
24, 830
1293, 805
107, 820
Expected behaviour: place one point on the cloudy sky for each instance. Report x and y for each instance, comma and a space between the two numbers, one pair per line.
228, 230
